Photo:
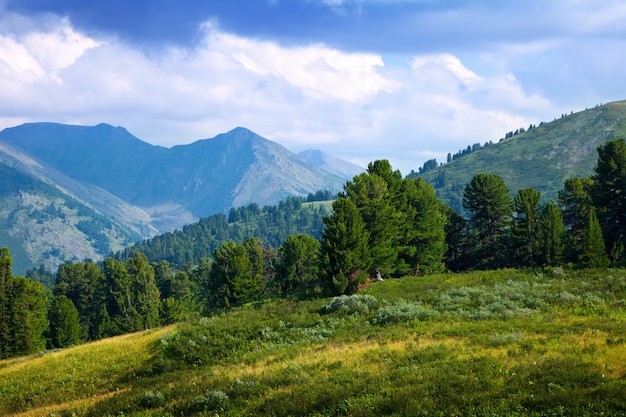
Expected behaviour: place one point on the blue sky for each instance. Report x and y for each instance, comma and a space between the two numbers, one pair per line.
405, 80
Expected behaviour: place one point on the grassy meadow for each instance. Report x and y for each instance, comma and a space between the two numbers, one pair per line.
498, 343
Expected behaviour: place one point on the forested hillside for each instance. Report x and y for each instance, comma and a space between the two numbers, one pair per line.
539, 156
270, 224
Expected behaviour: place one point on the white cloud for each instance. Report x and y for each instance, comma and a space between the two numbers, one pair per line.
311, 96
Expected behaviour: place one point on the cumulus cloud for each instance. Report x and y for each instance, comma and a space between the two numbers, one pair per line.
351, 104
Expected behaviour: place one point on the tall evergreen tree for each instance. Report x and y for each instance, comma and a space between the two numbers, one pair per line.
30, 316
457, 241
576, 205
486, 197
525, 229
609, 195
64, 330
298, 264
594, 251
234, 279
23, 311
82, 283
423, 233
551, 233
6, 300
370, 195
143, 291
345, 259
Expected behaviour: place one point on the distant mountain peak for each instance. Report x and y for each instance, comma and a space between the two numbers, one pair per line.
336, 166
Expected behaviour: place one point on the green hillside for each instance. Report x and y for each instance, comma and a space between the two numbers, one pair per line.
499, 343
542, 157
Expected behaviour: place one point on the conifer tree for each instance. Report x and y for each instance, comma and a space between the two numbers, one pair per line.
551, 233
236, 275
145, 296
594, 251
344, 254
64, 328
30, 316
576, 205
6, 300
486, 197
525, 229
423, 233
609, 196
298, 263
371, 196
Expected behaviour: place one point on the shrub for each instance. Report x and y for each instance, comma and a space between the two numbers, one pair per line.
152, 399
214, 400
402, 311
350, 304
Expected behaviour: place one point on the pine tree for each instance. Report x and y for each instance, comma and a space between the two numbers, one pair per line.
6, 300
551, 233
65, 327
525, 229
594, 251
423, 232
236, 275
344, 253
298, 263
486, 197
30, 316
145, 296
576, 206
83, 283
371, 196
609, 195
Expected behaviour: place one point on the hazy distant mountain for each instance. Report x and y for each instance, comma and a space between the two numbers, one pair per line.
334, 165
80, 173
541, 157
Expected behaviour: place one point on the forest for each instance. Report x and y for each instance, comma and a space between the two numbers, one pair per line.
381, 225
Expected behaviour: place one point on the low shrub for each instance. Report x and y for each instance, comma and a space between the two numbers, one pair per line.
152, 399
402, 311
214, 400
350, 304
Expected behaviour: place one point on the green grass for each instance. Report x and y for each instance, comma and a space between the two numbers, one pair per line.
499, 343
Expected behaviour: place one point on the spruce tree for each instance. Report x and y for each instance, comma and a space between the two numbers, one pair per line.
6, 300
371, 196
345, 259
486, 197
297, 267
65, 327
525, 229
423, 233
594, 251
551, 235
609, 196
576, 205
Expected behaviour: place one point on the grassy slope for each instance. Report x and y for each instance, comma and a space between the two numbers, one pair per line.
485, 343
541, 158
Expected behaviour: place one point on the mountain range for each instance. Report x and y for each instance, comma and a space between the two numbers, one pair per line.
76, 192
68, 193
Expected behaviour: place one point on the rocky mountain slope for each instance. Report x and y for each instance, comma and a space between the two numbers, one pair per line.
77, 174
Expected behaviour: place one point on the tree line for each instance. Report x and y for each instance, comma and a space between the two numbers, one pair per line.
381, 226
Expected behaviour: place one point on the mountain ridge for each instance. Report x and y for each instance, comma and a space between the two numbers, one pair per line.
542, 157
105, 172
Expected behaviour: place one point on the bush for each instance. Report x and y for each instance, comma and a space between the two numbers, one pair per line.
350, 304
152, 399
402, 311
214, 400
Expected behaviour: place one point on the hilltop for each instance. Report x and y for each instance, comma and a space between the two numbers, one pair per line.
540, 157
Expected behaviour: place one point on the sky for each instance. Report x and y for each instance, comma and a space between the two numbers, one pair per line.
403, 80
